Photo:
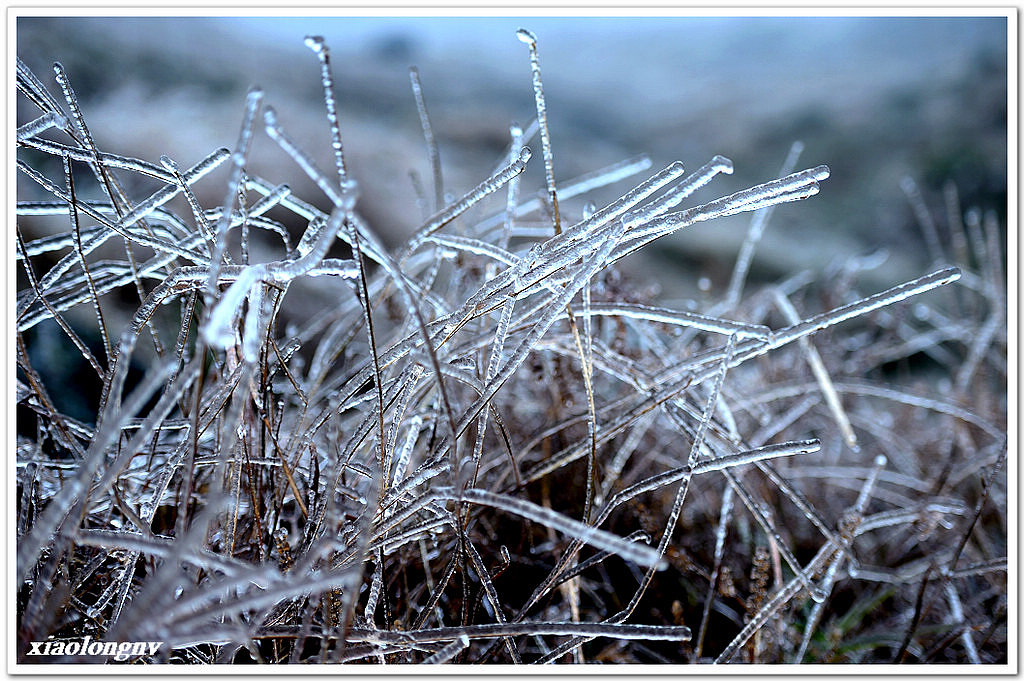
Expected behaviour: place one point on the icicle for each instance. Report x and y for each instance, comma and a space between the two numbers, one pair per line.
474, 246
34, 89
755, 455
956, 617
648, 632
620, 206
867, 305
375, 586
105, 158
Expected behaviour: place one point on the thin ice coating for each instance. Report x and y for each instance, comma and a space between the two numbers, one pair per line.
47, 281
724, 513
869, 304
447, 652
77, 234
795, 187
633, 197
238, 159
488, 186
512, 196
753, 348
219, 329
492, 597
45, 527
575, 187
106, 158
34, 89
636, 553
190, 197
555, 307
924, 219
680, 318
48, 120
682, 191
277, 133
754, 233
72, 101
820, 373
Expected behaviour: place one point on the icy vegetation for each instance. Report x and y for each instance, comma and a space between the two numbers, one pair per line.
492, 447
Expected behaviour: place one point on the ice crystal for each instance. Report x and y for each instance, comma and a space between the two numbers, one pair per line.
489, 445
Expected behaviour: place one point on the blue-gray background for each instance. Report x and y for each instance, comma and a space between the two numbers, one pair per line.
875, 98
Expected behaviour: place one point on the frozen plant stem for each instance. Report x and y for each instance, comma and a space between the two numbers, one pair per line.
820, 373
325, 465
428, 136
530, 40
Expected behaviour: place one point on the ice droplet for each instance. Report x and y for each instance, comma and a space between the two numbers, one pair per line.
526, 36
315, 42
168, 162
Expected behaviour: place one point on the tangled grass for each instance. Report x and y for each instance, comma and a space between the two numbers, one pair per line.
493, 446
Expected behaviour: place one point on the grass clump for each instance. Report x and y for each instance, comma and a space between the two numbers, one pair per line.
493, 446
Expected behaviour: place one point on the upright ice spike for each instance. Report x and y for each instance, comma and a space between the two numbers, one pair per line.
488, 186
512, 198
72, 100
754, 232
428, 136
317, 44
238, 159
530, 39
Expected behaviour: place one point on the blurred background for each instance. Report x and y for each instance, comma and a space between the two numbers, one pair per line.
876, 98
